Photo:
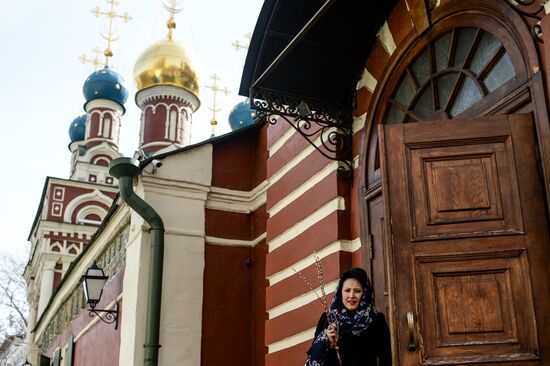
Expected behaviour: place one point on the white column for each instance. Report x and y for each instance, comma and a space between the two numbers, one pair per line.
31, 349
46, 285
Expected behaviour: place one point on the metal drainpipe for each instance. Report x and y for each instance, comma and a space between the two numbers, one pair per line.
125, 169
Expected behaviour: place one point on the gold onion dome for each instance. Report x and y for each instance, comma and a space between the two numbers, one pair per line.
166, 62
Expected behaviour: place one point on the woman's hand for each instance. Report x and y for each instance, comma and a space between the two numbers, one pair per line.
332, 334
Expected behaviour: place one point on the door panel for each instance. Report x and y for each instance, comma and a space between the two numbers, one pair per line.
469, 237
378, 270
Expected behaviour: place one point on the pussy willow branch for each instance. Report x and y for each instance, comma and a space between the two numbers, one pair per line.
311, 289
321, 278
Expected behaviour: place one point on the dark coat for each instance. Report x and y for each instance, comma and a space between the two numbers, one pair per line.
364, 349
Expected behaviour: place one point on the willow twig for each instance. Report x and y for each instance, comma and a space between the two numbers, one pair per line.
323, 297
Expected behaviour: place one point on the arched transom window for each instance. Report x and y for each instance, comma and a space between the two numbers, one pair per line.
450, 74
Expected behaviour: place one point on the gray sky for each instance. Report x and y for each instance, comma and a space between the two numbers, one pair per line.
42, 78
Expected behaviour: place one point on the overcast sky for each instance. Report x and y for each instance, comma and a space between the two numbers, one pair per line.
42, 78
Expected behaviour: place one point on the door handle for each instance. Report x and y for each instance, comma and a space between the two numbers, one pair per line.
412, 346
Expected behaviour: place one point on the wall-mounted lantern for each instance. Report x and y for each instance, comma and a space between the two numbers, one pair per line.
93, 282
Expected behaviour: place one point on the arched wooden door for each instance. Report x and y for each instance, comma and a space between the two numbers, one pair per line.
454, 198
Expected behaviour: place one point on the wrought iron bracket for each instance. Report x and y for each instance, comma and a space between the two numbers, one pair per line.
525, 8
328, 130
107, 316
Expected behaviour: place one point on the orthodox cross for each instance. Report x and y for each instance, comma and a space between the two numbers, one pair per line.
95, 60
215, 89
238, 45
173, 10
112, 15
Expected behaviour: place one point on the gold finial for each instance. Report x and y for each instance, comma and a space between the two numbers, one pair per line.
238, 45
173, 10
112, 15
215, 89
95, 60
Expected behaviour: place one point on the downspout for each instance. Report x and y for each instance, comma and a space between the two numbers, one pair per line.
125, 169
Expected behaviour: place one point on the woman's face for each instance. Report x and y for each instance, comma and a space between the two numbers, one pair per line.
352, 291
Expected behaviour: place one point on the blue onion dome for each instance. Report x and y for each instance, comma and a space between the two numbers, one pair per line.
242, 115
77, 130
105, 84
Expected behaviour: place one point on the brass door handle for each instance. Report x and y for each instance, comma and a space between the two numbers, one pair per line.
412, 346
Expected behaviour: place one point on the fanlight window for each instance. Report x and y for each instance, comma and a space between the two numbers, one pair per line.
450, 75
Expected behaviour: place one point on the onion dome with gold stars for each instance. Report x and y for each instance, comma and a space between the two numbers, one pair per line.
167, 63
242, 115
77, 130
105, 84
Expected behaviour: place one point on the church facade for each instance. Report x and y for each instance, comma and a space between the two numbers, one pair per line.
429, 169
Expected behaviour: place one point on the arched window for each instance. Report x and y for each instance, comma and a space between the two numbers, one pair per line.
173, 124
450, 75
107, 121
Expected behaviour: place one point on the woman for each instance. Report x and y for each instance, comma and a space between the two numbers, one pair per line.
357, 334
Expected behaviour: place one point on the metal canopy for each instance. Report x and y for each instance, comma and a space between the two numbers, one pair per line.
304, 61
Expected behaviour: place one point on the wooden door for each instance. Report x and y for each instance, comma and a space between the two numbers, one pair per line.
469, 249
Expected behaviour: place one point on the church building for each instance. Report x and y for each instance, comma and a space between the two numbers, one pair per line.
410, 138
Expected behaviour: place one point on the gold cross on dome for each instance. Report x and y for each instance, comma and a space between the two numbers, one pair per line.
95, 60
238, 45
215, 89
173, 10
112, 15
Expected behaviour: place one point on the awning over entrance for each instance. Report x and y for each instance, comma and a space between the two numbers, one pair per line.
312, 51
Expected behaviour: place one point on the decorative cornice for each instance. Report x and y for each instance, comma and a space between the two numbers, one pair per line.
104, 103
174, 188
223, 199
234, 242
166, 91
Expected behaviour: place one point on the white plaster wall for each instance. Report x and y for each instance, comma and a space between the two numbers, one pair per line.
177, 191
134, 293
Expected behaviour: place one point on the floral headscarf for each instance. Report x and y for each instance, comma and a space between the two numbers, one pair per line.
348, 322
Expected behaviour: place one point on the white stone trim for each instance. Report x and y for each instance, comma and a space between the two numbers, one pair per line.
368, 81
291, 341
301, 300
155, 144
103, 103
167, 91
338, 246
102, 139
223, 199
295, 161
386, 38
281, 141
95, 195
80, 217
234, 242
331, 167
359, 123
179, 232
355, 162
338, 203
174, 188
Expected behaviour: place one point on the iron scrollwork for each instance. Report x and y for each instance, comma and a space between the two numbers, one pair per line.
328, 130
525, 8
107, 316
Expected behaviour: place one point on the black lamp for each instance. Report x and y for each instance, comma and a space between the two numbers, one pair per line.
93, 282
